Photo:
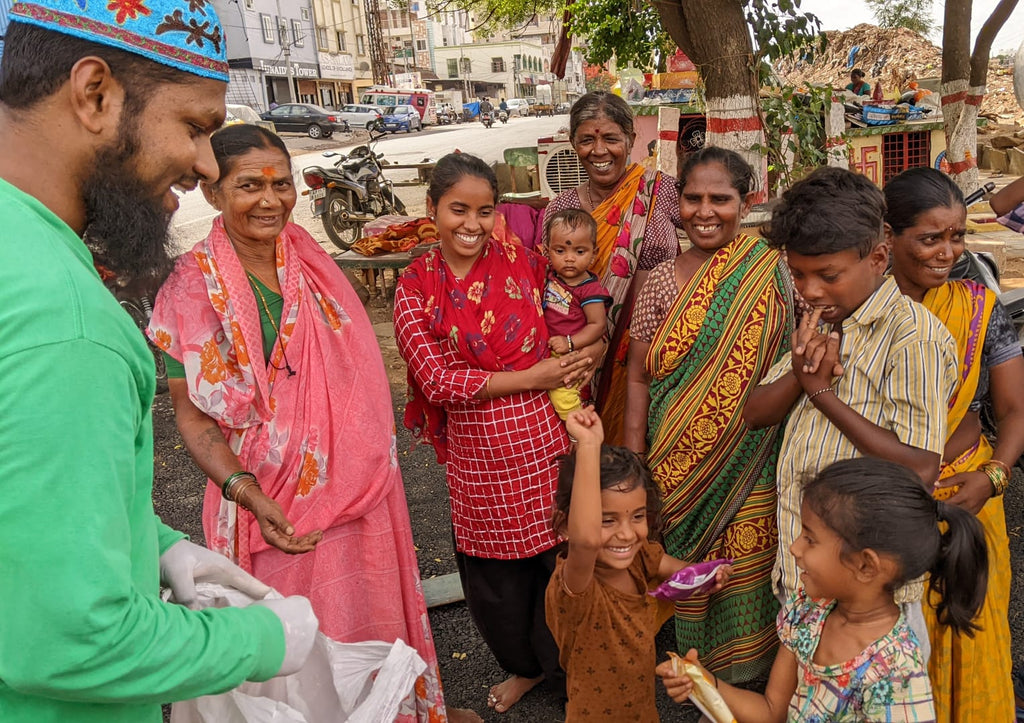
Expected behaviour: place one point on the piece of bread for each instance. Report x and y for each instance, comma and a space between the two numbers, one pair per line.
705, 695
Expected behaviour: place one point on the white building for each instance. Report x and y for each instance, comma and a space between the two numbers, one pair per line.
509, 69
342, 51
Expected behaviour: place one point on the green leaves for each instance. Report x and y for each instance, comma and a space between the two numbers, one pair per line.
794, 133
911, 14
629, 31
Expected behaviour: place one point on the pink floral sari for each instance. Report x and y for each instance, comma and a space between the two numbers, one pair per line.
321, 441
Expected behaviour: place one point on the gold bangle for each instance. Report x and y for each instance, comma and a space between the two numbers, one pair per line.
1005, 467
242, 488
487, 387
996, 473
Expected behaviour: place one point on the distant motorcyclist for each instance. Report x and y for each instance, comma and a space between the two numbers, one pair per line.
503, 106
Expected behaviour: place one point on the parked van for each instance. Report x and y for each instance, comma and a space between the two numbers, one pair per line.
518, 107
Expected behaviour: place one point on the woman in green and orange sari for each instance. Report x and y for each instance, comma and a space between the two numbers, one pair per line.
970, 676
706, 328
637, 212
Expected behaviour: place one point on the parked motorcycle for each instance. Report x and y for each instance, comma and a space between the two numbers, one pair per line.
487, 118
351, 193
503, 116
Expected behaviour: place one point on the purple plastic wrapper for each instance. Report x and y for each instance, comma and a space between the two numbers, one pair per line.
689, 581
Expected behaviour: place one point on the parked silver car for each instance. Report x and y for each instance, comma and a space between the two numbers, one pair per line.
360, 116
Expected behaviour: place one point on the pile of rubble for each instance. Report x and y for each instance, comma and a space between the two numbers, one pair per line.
895, 56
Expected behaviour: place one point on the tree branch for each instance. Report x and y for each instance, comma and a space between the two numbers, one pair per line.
986, 36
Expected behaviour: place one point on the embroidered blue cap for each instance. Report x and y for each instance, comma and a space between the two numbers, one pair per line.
184, 34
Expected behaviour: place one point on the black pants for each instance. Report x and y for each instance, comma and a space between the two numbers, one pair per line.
506, 601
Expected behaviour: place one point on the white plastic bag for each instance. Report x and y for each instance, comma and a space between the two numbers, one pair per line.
354, 682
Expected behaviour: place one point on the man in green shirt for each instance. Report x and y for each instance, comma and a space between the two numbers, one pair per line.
104, 107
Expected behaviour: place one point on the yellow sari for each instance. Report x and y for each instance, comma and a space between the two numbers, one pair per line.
971, 677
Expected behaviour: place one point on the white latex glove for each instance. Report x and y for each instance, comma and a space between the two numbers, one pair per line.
300, 629
185, 563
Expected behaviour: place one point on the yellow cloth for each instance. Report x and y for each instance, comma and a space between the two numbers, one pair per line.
901, 369
565, 399
971, 677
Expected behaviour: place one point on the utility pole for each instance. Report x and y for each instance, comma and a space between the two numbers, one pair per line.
286, 49
378, 51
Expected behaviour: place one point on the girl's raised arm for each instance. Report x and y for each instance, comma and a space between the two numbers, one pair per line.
584, 525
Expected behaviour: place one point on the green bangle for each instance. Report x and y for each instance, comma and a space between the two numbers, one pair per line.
225, 488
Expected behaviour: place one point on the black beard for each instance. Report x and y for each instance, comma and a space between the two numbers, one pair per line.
126, 229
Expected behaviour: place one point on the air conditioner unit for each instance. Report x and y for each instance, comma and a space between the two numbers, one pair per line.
560, 167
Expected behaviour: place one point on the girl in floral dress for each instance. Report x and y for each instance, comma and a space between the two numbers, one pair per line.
847, 652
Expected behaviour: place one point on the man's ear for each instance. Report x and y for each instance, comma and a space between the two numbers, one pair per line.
96, 98
209, 193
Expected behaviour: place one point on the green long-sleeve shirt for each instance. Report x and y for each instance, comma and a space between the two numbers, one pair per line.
84, 636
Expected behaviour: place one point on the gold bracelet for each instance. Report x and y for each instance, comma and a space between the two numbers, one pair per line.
487, 387
820, 391
1005, 467
996, 473
242, 488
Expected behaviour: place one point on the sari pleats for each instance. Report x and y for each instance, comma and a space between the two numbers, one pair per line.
728, 325
971, 677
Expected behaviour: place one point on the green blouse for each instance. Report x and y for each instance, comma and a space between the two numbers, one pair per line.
275, 303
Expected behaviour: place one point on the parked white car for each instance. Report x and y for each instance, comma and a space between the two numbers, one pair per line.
360, 115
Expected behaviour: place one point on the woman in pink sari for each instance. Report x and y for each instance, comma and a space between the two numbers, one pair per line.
281, 397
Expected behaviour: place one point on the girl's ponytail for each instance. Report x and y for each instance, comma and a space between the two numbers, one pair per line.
962, 560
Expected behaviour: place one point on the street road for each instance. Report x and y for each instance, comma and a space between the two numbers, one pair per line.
191, 223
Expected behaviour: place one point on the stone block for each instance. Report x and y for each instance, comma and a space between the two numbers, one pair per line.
1015, 161
1004, 141
994, 159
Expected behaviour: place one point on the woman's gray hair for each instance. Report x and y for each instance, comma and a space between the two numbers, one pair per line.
600, 104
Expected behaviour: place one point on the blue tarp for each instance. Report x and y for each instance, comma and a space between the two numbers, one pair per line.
471, 109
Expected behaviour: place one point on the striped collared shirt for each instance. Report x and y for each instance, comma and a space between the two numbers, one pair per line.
900, 368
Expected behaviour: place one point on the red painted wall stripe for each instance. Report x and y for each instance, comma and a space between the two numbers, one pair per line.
668, 135
732, 125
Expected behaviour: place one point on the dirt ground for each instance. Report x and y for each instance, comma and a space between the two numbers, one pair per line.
468, 669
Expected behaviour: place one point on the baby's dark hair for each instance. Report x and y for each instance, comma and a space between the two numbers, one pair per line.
917, 191
450, 169
572, 219
621, 470
881, 505
829, 211
741, 175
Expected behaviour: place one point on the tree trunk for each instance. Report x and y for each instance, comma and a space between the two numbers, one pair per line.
714, 34
963, 84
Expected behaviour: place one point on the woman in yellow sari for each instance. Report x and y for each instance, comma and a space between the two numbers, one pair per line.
927, 219
637, 212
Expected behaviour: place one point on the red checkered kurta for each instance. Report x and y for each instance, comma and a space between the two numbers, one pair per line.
501, 452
